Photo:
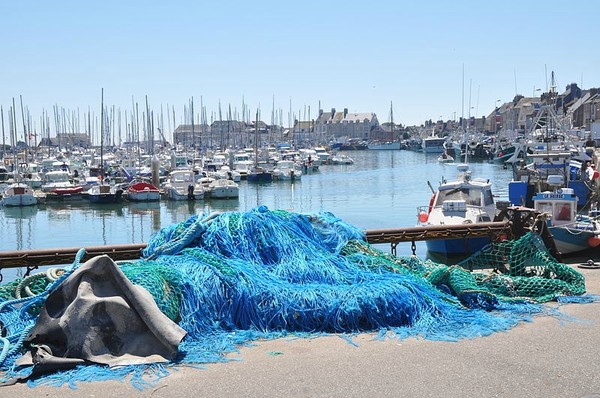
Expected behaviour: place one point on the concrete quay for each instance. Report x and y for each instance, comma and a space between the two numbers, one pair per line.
548, 357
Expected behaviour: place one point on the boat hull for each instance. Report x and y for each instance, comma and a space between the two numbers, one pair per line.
570, 240
181, 194
224, 193
106, 198
19, 200
19, 195
260, 177
385, 146
137, 196
454, 247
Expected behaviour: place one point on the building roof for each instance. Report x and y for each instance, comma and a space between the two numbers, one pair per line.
359, 117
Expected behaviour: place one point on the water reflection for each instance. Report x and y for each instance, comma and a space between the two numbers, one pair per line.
20, 212
144, 207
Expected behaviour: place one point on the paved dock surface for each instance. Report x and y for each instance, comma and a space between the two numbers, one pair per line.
544, 358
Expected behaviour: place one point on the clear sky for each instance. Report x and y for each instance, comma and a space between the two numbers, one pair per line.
359, 55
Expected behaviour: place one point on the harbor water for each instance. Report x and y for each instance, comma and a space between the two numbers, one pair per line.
382, 189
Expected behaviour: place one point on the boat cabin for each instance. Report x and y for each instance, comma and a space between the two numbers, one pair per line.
560, 206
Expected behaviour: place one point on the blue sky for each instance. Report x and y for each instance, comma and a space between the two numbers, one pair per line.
358, 55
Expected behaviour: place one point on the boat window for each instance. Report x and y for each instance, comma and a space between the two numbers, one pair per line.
563, 212
544, 207
488, 198
471, 197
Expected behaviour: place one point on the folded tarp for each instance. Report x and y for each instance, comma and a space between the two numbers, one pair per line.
97, 315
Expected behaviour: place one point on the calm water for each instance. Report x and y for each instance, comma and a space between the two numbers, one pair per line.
382, 189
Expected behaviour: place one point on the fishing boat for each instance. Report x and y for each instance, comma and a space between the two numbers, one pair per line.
142, 191
465, 200
385, 145
18, 195
433, 144
572, 231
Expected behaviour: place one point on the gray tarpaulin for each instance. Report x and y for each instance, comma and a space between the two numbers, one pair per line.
98, 315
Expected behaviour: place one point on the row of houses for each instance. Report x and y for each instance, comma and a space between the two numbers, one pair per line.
327, 127
579, 109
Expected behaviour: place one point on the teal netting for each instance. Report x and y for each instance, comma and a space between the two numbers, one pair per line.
230, 278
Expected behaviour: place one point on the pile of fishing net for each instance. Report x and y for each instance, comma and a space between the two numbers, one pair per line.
228, 279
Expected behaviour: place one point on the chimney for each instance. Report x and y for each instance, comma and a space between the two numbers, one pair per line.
345, 112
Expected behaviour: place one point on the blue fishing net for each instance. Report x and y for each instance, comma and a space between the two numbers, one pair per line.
231, 278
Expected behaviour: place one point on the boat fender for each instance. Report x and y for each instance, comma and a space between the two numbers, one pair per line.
423, 217
431, 202
594, 241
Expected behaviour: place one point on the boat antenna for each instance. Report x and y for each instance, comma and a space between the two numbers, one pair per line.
462, 115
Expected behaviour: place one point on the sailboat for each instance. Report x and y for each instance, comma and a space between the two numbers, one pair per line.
104, 192
258, 173
386, 145
18, 194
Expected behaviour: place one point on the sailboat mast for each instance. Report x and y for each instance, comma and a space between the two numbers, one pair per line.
3, 136
256, 140
102, 135
14, 146
25, 135
392, 120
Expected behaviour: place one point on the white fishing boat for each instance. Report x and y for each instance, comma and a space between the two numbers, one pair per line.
433, 144
382, 146
572, 231
465, 200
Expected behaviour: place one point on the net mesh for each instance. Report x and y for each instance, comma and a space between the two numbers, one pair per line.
237, 276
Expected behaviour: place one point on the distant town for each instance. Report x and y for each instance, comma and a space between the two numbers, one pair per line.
578, 108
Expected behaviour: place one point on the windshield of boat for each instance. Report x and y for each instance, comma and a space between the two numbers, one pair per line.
470, 196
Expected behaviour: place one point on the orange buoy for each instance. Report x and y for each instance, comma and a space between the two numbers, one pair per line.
423, 217
594, 241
